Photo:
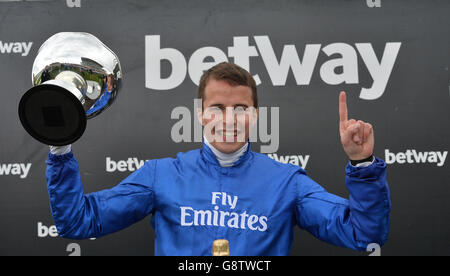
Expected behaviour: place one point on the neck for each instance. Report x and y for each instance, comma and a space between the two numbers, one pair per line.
226, 159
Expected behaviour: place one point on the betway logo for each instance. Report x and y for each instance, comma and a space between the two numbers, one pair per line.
413, 156
20, 169
343, 69
298, 160
22, 48
50, 231
131, 164
44, 231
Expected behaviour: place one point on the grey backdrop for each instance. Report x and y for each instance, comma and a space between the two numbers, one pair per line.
412, 113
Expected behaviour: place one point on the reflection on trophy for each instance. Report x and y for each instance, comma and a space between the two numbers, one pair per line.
75, 77
221, 248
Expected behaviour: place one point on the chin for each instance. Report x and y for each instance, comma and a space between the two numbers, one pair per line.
228, 147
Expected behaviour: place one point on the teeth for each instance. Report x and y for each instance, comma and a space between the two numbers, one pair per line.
228, 133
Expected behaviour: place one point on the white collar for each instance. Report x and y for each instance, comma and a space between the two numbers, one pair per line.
226, 159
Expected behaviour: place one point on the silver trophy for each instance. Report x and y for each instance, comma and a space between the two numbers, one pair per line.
75, 77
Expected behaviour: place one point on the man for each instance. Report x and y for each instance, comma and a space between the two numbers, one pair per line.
108, 85
45, 76
226, 191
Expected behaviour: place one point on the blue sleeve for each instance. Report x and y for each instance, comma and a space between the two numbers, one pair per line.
80, 216
352, 223
100, 103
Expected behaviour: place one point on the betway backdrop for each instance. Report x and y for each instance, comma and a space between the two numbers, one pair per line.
391, 57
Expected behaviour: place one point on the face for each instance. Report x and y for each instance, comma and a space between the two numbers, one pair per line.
228, 115
109, 84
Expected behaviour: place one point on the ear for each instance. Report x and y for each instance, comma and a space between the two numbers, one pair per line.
200, 116
254, 115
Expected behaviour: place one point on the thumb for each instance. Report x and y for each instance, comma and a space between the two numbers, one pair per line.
352, 133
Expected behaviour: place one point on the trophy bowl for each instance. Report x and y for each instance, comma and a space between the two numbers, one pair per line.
75, 77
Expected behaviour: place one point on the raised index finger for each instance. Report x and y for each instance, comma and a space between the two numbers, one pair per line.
342, 109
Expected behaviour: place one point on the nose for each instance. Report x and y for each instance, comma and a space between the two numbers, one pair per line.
229, 121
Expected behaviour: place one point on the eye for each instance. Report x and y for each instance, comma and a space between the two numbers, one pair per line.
212, 111
240, 110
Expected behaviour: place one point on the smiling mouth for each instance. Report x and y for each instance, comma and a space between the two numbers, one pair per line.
228, 135
221, 132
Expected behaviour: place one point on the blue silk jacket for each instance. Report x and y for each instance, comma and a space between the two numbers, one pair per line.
254, 204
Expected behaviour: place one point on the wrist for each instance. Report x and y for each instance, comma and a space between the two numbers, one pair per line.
60, 150
359, 161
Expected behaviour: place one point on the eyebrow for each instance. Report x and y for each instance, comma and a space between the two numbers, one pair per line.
221, 105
